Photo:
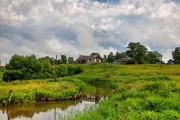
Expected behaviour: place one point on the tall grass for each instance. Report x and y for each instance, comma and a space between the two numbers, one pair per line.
27, 91
144, 92
142, 103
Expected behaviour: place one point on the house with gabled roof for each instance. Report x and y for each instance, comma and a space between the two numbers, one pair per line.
90, 59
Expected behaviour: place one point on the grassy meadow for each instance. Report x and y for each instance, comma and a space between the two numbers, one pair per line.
142, 91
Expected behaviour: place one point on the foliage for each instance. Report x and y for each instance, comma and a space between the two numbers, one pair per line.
110, 58
152, 57
51, 60
67, 70
136, 51
71, 60
119, 56
63, 59
176, 55
27, 67
12, 75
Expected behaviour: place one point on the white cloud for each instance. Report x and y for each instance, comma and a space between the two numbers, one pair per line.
74, 27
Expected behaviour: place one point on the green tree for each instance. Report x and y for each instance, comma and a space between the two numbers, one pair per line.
136, 51
105, 58
110, 58
176, 55
70, 60
63, 59
152, 57
16, 62
122, 55
117, 56
27, 67
51, 60
45, 58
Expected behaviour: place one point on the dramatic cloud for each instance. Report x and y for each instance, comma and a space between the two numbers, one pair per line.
74, 27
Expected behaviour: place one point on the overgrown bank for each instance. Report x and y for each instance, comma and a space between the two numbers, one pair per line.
33, 90
151, 101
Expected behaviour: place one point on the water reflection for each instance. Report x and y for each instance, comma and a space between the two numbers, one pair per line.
44, 110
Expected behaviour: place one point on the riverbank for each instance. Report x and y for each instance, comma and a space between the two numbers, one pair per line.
66, 88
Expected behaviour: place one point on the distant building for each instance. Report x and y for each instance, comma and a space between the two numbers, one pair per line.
89, 59
170, 61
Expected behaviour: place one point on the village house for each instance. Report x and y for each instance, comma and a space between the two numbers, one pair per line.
89, 59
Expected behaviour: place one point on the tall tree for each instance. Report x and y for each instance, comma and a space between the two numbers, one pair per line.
70, 60
27, 67
122, 55
176, 55
45, 58
136, 51
117, 57
63, 59
110, 58
152, 57
16, 62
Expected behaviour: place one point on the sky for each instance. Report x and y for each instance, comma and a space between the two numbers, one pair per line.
80, 27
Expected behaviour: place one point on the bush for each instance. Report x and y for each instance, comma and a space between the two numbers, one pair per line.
67, 70
11, 75
27, 67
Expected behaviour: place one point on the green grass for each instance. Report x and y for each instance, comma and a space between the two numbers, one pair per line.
27, 91
149, 102
143, 92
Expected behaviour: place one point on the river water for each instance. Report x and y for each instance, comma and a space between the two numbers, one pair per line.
46, 110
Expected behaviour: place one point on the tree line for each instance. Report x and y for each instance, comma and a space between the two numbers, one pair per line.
29, 67
136, 54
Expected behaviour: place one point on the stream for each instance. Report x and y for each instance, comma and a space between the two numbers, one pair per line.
54, 110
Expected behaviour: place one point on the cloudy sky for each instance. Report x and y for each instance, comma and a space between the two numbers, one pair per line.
74, 27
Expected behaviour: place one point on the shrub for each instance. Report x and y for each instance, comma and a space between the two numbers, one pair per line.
67, 70
61, 70
11, 75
